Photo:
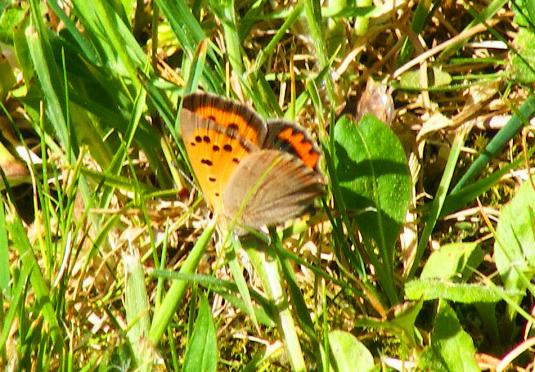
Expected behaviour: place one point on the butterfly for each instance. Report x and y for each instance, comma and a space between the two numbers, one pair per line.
256, 172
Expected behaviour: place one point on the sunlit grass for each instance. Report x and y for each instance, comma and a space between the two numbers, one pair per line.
109, 257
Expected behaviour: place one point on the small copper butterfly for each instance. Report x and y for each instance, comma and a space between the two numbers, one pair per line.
261, 173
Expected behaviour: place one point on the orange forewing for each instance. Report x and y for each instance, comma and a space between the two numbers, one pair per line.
215, 147
237, 120
214, 157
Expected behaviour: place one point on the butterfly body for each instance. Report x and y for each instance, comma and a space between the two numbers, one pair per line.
256, 172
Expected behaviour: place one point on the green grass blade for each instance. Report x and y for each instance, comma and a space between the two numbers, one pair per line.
513, 126
4, 255
361, 22
299, 305
227, 289
237, 274
49, 77
137, 309
17, 296
121, 39
189, 33
457, 200
438, 201
173, 297
196, 68
43, 297
226, 13
314, 21
185, 27
423, 13
479, 17
267, 51
266, 267
85, 46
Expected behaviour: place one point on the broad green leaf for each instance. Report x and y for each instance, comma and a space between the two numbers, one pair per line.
451, 347
374, 178
524, 11
523, 57
349, 353
431, 289
405, 318
514, 248
9, 19
402, 324
201, 353
372, 172
530, 7
457, 259
435, 78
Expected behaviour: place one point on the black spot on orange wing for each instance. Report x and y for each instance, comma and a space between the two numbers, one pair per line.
207, 162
